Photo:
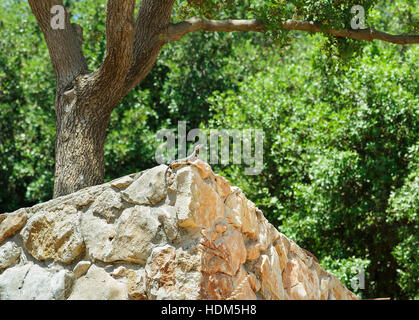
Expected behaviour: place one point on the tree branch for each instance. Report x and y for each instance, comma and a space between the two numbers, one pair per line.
64, 45
153, 20
120, 34
177, 31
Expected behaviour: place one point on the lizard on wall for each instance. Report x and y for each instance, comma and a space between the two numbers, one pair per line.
183, 162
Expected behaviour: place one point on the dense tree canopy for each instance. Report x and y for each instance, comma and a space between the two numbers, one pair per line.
340, 116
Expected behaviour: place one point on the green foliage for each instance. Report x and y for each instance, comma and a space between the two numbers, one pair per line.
338, 148
347, 270
403, 211
27, 119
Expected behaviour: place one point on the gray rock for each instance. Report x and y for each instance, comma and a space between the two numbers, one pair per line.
148, 189
31, 282
9, 255
98, 285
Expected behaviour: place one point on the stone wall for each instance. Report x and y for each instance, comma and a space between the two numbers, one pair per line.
133, 238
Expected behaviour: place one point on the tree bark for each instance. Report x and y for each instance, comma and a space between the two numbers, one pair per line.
79, 144
178, 30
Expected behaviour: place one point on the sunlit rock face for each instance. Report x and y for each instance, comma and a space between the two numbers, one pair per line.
138, 237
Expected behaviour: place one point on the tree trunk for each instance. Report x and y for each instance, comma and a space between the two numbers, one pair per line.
85, 99
79, 145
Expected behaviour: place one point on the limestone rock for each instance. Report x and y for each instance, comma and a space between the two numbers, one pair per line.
137, 289
129, 244
148, 189
225, 254
134, 239
222, 186
11, 223
122, 183
54, 235
167, 216
242, 214
204, 168
197, 203
32, 282
108, 205
119, 272
128, 239
81, 268
268, 267
172, 274
98, 285
9, 255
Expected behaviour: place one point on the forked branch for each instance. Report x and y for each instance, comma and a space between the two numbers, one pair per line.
120, 34
63, 44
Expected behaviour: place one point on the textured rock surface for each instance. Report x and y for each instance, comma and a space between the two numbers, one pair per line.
133, 239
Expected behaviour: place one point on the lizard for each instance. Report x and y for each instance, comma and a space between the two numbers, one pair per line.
182, 162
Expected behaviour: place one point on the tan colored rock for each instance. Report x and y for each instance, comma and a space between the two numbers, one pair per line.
223, 187
9, 255
83, 200
253, 251
122, 183
197, 204
267, 232
172, 274
254, 282
220, 286
187, 275
128, 244
127, 239
204, 168
81, 268
148, 189
272, 286
54, 235
216, 286
97, 284
242, 287
221, 227
137, 289
160, 271
11, 223
324, 288
298, 292
108, 205
225, 255
313, 284
241, 213
97, 234
282, 248
290, 275
167, 216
